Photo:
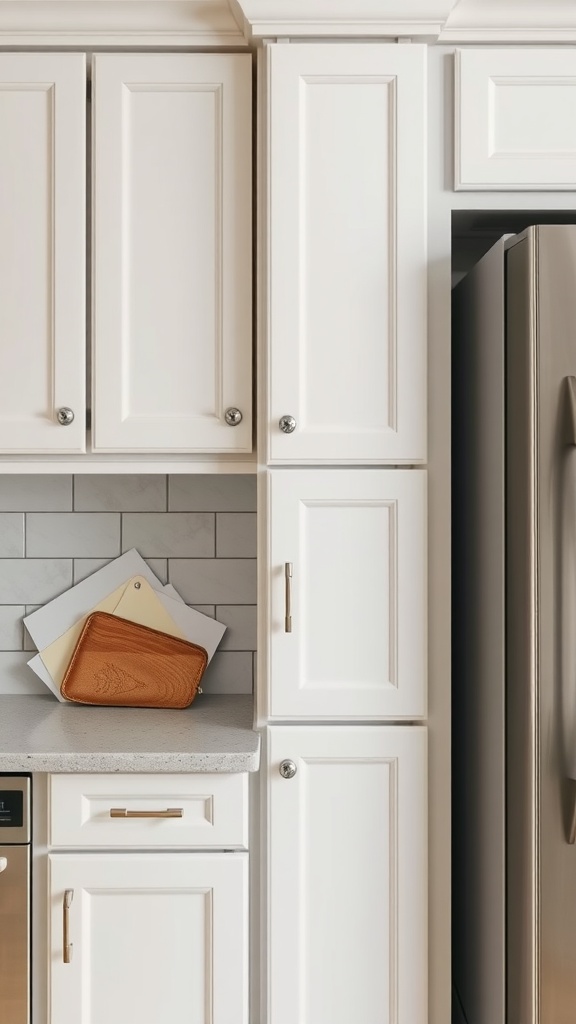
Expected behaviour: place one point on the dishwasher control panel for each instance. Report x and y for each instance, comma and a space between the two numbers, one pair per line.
14, 809
11, 808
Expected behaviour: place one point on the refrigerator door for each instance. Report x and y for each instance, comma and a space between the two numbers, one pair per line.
541, 627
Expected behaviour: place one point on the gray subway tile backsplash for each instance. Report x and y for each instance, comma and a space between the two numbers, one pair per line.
214, 580
169, 534
56, 530
240, 621
11, 627
212, 494
119, 493
229, 672
33, 580
22, 493
11, 534
236, 535
72, 534
15, 676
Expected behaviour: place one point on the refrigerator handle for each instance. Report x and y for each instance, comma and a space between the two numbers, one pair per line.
570, 410
570, 789
570, 784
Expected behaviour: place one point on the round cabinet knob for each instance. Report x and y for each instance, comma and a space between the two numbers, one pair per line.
233, 417
287, 769
287, 424
3, 863
65, 416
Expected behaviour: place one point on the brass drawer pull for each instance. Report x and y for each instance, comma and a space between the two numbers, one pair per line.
288, 597
67, 945
171, 812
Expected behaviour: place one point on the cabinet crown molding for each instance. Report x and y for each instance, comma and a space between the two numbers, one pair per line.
510, 21
148, 23
300, 18
233, 23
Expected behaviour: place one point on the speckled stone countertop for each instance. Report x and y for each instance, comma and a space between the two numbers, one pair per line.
38, 734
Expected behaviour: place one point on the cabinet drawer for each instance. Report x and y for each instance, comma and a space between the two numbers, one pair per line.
515, 119
210, 811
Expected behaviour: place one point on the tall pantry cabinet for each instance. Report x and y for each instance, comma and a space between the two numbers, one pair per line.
342, 681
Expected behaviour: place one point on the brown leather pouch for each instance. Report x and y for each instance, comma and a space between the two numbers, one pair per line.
122, 663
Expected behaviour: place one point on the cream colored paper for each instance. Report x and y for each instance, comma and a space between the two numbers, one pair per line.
139, 603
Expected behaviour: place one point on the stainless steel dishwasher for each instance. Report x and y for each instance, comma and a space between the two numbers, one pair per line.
15, 835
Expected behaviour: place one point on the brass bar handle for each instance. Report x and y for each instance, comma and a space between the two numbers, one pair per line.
66, 944
288, 597
170, 812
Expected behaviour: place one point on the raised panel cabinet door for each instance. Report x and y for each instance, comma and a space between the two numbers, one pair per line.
42, 252
150, 937
347, 875
172, 252
346, 295
515, 119
347, 594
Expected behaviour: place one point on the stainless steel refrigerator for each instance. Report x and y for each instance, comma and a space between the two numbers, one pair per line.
514, 629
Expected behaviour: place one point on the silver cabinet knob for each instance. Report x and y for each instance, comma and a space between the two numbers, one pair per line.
287, 769
233, 417
65, 416
287, 424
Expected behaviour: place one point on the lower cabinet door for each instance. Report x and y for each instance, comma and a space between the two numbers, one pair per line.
347, 875
150, 938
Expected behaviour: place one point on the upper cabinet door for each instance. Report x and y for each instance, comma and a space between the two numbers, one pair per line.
42, 252
347, 594
346, 302
515, 119
172, 252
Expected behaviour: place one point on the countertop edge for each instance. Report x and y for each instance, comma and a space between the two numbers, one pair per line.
39, 735
199, 764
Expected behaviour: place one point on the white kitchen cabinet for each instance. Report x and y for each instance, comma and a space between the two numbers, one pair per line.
515, 119
172, 252
346, 254
42, 245
171, 264
154, 937
347, 553
347, 875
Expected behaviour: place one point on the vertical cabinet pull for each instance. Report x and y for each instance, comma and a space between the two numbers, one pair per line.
288, 597
66, 944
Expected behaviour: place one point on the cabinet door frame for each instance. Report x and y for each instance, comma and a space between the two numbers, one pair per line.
393, 330
222, 878
222, 84
394, 688
61, 77
401, 750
